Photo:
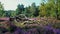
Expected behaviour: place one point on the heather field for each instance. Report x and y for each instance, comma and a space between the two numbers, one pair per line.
41, 26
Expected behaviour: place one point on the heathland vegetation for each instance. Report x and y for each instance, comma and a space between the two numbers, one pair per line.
42, 19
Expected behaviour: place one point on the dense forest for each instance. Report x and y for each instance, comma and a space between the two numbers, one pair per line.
48, 8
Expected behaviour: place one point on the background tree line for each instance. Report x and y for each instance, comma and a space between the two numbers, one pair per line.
48, 8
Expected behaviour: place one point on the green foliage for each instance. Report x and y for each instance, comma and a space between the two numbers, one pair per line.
20, 9
42, 10
10, 13
13, 13
28, 11
50, 8
1, 10
34, 10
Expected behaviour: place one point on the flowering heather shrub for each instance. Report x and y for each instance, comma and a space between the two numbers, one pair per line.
57, 31
40, 30
43, 30
18, 31
50, 30
32, 31
35, 28
7, 33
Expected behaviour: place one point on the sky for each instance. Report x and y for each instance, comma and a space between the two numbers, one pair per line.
12, 4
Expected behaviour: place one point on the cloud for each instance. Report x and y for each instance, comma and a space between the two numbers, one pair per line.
9, 4
12, 4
